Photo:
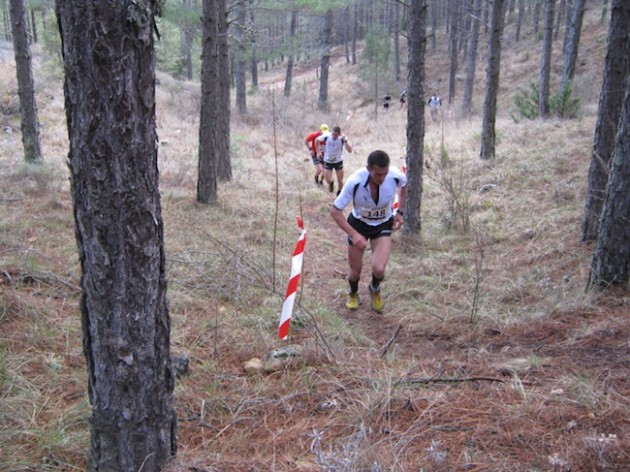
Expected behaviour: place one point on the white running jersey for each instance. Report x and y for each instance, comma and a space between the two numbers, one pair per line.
364, 208
333, 148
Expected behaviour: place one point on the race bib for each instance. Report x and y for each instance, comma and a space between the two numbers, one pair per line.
374, 213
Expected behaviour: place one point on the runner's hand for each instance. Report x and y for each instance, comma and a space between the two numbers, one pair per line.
359, 241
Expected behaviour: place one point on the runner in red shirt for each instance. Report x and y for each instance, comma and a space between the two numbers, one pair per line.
317, 161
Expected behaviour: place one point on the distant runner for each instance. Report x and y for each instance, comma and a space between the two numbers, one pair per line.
434, 105
403, 99
312, 147
330, 148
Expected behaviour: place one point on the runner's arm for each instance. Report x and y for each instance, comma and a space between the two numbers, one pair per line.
402, 206
340, 219
347, 144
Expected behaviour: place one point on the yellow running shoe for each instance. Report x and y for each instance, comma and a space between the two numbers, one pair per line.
377, 301
353, 301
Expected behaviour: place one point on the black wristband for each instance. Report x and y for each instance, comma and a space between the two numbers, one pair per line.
400, 212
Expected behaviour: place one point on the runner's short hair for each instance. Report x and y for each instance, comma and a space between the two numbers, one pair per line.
378, 158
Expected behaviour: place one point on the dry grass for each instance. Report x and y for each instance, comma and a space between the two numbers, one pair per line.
538, 380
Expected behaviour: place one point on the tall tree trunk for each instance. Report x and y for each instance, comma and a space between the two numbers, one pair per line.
519, 20
34, 26
239, 33
537, 8
6, 21
355, 33
345, 31
485, 14
611, 259
396, 32
545, 62
573, 43
488, 134
252, 43
209, 115
289, 77
186, 42
455, 17
434, 15
472, 60
26, 85
415, 116
109, 61
224, 170
322, 102
616, 69
562, 4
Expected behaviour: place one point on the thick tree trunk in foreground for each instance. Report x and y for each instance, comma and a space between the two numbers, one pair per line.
109, 63
415, 116
611, 260
616, 69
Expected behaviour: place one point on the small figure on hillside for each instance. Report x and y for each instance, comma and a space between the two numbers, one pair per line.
403, 99
372, 191
434, 105
387, 99
312, 147
330, 149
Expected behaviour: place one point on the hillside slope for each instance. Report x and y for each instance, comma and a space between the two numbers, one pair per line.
489, 356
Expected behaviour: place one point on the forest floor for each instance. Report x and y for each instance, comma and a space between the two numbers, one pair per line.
490, 355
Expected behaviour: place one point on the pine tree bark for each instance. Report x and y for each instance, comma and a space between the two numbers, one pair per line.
207, 177
223, 120
488, 132
396, 33
322, 102
572, 44
288, 81
616, 69
415, 116
472, 59
611, 259
455, 18
545, 63
252, 43
109, 62
26, 85
240, 9
520, 18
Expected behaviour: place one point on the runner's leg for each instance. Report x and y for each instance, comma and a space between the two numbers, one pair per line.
355, 260
381, 248
339, 173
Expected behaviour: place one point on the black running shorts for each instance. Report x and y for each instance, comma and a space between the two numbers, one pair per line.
370, 232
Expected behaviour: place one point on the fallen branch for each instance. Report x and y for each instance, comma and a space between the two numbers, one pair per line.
428, 380
389, 343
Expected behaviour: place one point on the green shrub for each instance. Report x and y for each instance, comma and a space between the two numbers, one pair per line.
526, 101
564, 104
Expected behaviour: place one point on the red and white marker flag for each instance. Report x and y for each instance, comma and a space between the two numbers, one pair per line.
296, 270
